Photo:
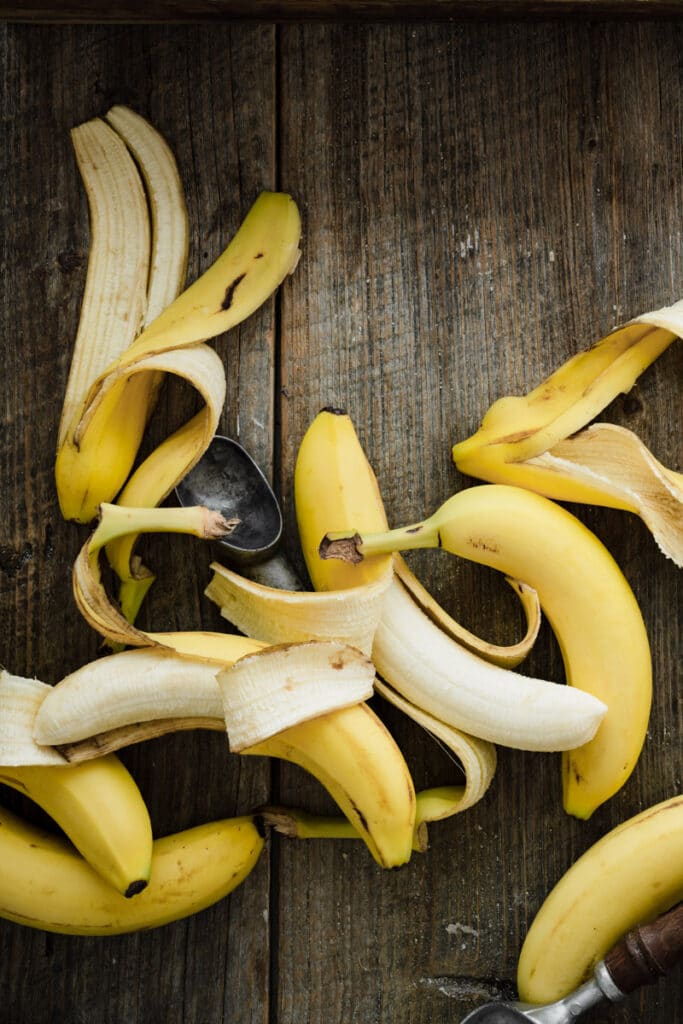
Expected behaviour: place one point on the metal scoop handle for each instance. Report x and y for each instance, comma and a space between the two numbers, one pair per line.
647, 952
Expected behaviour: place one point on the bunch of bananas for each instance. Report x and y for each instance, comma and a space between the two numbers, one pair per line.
295, 684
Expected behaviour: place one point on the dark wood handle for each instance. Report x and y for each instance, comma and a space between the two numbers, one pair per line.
647, 952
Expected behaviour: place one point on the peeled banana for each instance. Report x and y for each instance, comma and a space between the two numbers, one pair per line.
585, 596
136, 694
45, 884
627, 878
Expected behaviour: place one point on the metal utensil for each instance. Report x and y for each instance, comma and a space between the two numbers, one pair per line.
228, 480
641, 957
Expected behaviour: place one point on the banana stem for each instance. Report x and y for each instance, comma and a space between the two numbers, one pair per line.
298, 824
118, 521
353, 548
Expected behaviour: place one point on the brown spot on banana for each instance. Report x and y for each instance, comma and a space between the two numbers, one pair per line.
230, 292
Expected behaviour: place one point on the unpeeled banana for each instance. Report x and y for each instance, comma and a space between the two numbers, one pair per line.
628, 877
45, 884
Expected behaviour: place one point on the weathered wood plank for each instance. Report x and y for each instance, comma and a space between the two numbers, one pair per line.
479, 203
211, 92
470, 220
130, 12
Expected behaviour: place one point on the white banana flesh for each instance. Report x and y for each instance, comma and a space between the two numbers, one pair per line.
435, 673
131, 686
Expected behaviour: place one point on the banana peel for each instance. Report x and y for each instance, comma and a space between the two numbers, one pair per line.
542, 440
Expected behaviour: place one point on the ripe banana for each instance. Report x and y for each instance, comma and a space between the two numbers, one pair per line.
98, 805
628, 877
133, 695
537, 440
333, 482
585, 596
45, 884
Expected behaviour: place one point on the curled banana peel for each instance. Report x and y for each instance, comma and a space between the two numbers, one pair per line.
135, 328
97, 805
627, 878
541, 440
583, 593
46, 884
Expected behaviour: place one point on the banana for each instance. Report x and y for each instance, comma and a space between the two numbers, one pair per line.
628, 877
97, 805
135, 328
45, 884
356, 759
134, 695
537, 441
585, 596
333, 482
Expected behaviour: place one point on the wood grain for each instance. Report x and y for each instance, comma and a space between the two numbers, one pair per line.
480, 200
221, 84
130, 12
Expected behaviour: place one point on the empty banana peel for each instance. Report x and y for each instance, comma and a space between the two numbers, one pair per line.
537, 440
116, 522
135, 327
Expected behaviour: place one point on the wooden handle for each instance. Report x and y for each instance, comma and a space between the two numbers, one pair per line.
647, 952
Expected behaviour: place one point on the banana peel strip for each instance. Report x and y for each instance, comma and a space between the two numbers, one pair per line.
261, 254
507, 656
281, 616
477, 757
615, 459
541, 440
20, 699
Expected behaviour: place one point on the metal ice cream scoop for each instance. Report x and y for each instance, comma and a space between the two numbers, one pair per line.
641, 957
228, 480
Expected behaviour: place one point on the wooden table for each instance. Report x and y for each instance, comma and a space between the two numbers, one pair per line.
480, 198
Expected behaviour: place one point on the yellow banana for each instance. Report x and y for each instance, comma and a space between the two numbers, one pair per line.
334, 482
97, 805
537, 441
356, 759
186, 682
628, 877
585, 596
45, 884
